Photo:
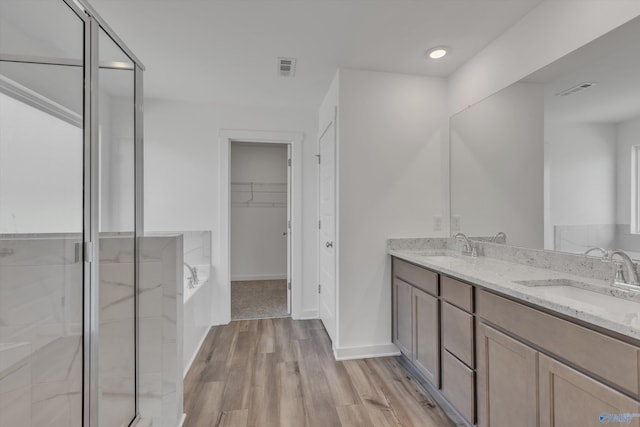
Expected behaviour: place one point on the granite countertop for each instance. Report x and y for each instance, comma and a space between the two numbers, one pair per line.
595, 301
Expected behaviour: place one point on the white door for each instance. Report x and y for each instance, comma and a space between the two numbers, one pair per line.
327, 229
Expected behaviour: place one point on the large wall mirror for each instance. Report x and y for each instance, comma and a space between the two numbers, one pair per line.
550, 160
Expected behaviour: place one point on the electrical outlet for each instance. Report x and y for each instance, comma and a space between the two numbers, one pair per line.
437, 223
455, 223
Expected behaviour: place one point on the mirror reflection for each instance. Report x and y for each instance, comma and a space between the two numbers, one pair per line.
550, 159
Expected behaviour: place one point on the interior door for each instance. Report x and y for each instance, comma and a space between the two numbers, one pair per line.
327, 229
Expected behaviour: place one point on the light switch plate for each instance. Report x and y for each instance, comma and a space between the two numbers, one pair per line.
455, 223
437, 223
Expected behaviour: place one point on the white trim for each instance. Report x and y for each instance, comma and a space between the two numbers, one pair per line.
184, 417
254, 277
308, 315
366, 352
222, 296
635, 189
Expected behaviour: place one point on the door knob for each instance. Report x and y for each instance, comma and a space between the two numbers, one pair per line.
329, 244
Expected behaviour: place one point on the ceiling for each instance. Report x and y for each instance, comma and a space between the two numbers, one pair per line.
225, 52
612, 62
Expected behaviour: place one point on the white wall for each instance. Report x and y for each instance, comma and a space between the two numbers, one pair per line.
40, 171
548, 32
390, 141
628, 136
181, 172
497, 161
258, 246
582, 162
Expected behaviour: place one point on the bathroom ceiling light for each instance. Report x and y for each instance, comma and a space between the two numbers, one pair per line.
437, 52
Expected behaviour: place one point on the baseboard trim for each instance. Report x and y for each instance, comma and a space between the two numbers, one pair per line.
193, 358
365, 352
254, 277
306, 315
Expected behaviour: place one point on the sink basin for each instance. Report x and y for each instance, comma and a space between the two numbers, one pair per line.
550, 282
584, 300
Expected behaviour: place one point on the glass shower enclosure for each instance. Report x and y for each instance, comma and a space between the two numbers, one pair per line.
70, 217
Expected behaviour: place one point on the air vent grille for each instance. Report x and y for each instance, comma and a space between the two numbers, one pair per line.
576, 89
286, 67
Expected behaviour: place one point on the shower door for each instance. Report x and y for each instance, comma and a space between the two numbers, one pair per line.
70, 218
41, 214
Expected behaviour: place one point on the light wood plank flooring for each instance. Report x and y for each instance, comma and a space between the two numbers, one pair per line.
280, 372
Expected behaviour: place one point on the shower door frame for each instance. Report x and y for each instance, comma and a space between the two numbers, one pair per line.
90, 247
91, 250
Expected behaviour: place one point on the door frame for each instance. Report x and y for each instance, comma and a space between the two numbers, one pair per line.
222, 295
331, 120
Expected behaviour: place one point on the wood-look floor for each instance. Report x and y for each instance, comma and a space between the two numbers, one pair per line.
280, 372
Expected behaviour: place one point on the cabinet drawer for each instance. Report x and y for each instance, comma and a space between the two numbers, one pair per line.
613, 360
417, 276
457, 333
457, 293
458, 385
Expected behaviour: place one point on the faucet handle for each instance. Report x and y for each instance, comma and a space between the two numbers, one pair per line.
619, 277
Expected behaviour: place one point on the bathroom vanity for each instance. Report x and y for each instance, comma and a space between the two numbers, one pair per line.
514, 343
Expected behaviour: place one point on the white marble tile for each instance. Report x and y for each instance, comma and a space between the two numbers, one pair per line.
151, 337
15, 407
117, 349
151, 290
15, 377
116, 291
50, 405
60, 360
116, 249
30, 251
117, 400
31, 294
171, 413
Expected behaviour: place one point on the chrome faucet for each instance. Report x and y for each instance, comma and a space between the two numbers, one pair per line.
500, 237
193, 280
468, 248
602, 250
621, 280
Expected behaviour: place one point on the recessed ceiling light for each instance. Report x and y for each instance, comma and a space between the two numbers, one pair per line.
437, 52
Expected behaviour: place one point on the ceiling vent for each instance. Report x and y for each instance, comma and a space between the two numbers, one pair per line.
286, 67
576, 89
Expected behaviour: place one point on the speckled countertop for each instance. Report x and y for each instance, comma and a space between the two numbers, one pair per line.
609, 308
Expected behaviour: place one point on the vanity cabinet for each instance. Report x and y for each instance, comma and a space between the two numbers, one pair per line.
403, 322
571, 398
501, 362
507, 380
416, 326
458, 346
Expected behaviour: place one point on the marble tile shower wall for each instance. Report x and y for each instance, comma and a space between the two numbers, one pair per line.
161, 317
40, 331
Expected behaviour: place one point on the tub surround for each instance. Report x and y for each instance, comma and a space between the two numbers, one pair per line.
501, 267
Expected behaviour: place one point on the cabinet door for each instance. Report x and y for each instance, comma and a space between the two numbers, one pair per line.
402, 316
569, 398
507, 380
426, 345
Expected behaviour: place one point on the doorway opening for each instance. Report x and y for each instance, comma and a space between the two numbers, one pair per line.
260, 218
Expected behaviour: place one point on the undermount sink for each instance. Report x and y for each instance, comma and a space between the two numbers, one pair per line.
550, 282
586, 300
